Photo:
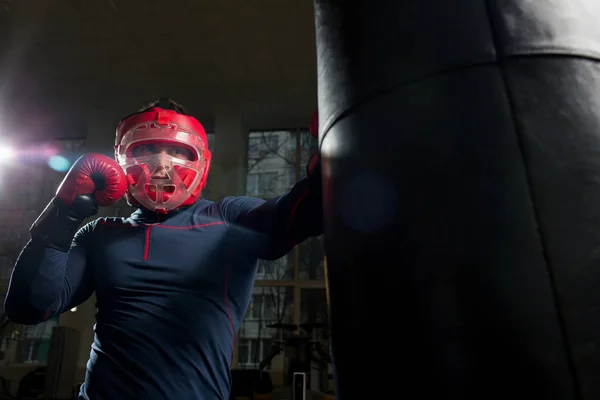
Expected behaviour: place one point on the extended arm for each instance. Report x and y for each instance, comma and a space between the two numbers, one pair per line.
286, 220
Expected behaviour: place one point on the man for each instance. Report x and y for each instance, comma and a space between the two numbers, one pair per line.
172, 281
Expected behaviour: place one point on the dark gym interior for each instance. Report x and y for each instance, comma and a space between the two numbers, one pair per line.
458, 151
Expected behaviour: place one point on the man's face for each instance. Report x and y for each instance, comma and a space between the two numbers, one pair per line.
175, 151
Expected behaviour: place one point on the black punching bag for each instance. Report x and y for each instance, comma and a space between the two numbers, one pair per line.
461, 164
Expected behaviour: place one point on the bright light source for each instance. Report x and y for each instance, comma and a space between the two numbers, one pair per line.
7, 154
73, 309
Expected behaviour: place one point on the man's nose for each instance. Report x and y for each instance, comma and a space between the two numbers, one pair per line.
163, 169
164, 160
161, 172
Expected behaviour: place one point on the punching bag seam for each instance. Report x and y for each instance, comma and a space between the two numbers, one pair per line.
556, 300
547, 51
337, 115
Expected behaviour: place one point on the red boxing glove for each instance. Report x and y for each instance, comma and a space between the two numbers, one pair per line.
314, 162
96, 175
313, 127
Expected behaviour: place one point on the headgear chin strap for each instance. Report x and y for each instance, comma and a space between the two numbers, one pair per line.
182, 180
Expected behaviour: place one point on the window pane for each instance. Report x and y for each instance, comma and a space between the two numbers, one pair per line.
252, 185
271, 162
34, 342
280, 269
314, 310
308, 147
273, 166
314, 306
312, 259
268, 305
256, 305
265, 348
243, 351
271, 157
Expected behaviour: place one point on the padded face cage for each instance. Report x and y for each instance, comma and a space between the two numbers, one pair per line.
162, 182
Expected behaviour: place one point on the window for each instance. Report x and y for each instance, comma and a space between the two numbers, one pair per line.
290, 290
311, 259
263, 184
34, 342
280, 269
251, 352
314, 307
269, 305
256, 306
267, 181
291, 177
252, 185
263, 144
244, 352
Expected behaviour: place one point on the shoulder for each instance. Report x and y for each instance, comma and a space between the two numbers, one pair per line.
234, 207
203, 209
101, 223
240, 202
202, 205
113, 222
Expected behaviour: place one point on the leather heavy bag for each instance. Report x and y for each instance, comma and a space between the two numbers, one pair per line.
461, 164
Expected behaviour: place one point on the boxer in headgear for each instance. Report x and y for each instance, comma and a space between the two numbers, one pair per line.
165, 155
173, 281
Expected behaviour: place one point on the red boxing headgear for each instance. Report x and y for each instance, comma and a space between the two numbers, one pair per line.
184, 181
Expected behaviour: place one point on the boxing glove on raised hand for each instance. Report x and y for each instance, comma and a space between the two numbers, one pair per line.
95, 180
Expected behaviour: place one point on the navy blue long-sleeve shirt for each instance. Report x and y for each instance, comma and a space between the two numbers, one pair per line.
171, 290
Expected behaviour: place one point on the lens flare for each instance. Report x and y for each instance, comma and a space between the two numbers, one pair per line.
59, 163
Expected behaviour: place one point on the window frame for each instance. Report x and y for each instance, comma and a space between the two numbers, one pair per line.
297, 284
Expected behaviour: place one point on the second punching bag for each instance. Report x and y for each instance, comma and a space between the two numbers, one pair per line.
461, 164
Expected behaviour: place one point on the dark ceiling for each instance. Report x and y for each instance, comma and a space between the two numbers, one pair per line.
75, 57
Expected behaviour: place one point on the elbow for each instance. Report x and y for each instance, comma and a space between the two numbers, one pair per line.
19, 312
